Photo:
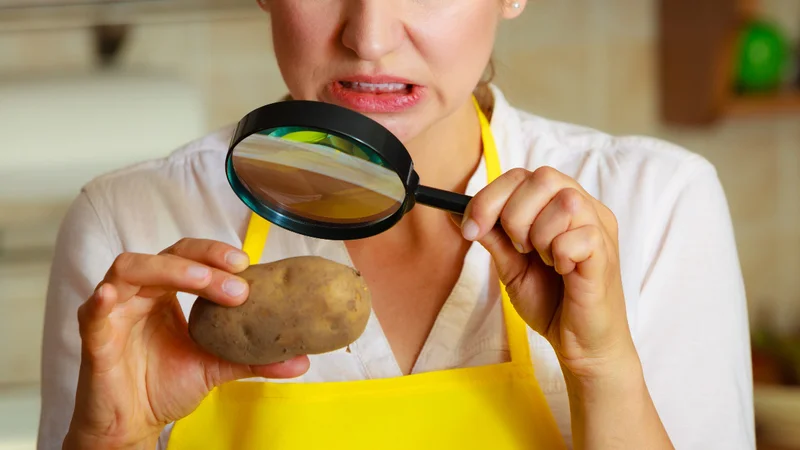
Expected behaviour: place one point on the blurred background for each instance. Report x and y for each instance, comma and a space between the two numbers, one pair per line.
720, 77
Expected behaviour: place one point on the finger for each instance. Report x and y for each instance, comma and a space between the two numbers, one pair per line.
93, 316
484, 209
510, 263
287, 369
153, 275
211, 253
529, 200
582, 250
219, 372
569, 209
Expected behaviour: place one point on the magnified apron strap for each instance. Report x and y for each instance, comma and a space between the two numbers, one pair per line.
256, 238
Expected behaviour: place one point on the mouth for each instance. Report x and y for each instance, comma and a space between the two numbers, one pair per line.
377, 88
376, 94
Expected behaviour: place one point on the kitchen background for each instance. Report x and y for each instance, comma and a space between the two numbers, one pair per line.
663, 68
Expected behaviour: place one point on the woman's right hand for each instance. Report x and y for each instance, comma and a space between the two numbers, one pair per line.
140, 370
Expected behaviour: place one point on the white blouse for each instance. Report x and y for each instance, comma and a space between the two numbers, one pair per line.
682, 281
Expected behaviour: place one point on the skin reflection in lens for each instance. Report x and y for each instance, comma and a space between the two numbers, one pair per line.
316, 182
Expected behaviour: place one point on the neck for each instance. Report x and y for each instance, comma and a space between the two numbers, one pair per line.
446, 155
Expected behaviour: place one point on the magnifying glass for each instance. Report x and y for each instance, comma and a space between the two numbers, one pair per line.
327, 172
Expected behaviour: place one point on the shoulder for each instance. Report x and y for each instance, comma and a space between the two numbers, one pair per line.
633, 175
150, 204
194, 155
627, 161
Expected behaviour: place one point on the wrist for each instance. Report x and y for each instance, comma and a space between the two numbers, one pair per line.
607, 378
78, 439
614, 361
614, 410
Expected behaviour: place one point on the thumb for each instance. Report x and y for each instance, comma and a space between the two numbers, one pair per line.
220, 372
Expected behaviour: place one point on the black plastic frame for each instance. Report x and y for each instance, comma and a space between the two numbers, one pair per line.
350, 125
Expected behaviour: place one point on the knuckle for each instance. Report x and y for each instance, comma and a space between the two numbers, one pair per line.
179, 246
545, 173
594, 236
570, 200
122, 263
518, 174
546, 178
217, 248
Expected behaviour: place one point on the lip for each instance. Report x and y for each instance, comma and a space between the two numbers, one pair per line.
376, 103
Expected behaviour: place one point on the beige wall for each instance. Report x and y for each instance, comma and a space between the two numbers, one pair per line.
585, 61
594, 62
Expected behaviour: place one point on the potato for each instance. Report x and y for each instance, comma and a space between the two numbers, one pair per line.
298, 306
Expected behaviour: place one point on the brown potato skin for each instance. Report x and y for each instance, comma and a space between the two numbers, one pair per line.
297, 306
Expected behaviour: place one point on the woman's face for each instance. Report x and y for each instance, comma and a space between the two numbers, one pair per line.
406, 63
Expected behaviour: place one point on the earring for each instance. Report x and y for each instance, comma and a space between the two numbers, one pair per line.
515, 5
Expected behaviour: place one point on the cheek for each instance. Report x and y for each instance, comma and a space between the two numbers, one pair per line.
457, 43
302, 42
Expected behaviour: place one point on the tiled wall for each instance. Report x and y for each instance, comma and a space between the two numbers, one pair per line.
585, 61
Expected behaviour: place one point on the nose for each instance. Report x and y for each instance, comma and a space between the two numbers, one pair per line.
373, 28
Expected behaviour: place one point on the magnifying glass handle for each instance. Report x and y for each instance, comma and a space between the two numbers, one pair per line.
445, 200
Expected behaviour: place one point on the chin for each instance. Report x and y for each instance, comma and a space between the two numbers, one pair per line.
405, 128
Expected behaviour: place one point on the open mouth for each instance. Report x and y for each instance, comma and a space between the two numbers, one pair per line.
377, 88
375, 94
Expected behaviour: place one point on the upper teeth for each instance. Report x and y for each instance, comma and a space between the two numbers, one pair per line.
377, 87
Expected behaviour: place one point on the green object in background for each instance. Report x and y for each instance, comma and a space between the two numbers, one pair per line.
763, 57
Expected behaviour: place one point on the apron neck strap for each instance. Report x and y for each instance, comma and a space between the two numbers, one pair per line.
256, 238
258, 230
516, 328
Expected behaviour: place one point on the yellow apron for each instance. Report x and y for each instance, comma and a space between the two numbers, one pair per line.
498, 406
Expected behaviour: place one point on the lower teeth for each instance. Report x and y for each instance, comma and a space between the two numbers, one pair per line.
388, 88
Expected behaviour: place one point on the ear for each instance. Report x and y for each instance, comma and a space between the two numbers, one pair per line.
513, 8
263, 4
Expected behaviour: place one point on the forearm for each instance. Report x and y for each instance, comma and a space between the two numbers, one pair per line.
615, 413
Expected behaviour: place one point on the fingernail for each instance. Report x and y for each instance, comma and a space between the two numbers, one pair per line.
519, 247
546, 259
470, 230
198, 272
237, 259
234, 287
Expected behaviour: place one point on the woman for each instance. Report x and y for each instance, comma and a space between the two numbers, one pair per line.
617, 253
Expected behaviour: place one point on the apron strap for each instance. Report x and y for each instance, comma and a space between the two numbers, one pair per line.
517, 329
256, 238
258, 230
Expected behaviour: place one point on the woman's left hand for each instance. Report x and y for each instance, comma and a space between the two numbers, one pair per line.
557, 254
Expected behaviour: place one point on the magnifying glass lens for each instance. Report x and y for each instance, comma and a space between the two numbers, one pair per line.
317, 176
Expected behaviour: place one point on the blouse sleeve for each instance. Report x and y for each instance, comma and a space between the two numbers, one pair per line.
692, 331
83, 254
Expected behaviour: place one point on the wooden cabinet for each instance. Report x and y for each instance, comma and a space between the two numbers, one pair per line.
697, 45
